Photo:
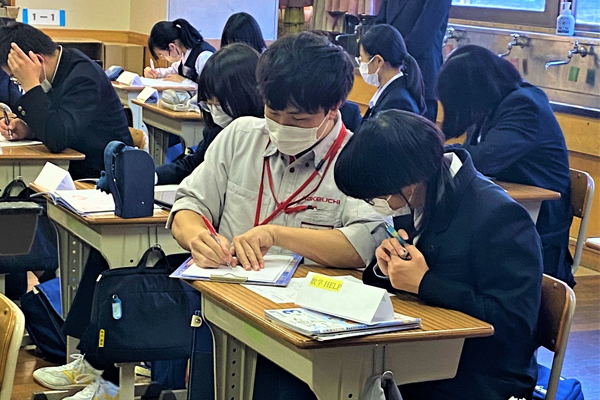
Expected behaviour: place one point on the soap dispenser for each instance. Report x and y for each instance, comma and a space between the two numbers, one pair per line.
565, 23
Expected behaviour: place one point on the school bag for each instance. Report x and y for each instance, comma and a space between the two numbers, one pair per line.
42, 308
568, 389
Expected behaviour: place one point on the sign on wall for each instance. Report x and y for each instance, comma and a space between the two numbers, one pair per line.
43, 17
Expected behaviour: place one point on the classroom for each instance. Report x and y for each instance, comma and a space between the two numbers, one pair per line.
299, 200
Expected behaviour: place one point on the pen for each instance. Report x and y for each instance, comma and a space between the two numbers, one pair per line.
393, 233
10, 134
152, 63
213, 233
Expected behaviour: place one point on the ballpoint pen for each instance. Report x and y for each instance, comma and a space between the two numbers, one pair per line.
10, 134
152, 64
393, 233
213, 233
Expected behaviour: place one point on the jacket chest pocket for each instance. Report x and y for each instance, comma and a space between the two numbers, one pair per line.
319, 219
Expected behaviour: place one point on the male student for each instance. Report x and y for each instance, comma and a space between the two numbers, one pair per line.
68, 101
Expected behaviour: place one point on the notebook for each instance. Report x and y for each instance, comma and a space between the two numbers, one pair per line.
278, 271
323, 327
164, 195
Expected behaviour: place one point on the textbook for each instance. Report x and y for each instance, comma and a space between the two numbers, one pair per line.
323, 327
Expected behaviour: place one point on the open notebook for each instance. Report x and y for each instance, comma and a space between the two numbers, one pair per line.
277, 272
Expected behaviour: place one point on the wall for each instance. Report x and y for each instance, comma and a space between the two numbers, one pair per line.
87, 14
145, 13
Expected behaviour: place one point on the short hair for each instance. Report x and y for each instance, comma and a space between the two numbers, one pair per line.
471, 84
164, 33
230, 76
242, 27
306, 71
27, 38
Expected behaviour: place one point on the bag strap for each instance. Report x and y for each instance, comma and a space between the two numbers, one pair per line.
16, 185
111, 151
161, 258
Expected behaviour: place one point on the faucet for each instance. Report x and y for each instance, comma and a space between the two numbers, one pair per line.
455, 34
515, 42
581, 50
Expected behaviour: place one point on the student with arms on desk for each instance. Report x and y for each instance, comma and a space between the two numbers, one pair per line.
68, 102
513, 136
474, 249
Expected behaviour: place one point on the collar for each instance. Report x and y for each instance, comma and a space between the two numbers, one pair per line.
455, 163
62, 66
185, 56
320, 149
380, 90
57, 64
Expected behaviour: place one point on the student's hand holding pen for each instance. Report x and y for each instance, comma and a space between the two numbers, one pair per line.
209, 249
16, 129
151, 72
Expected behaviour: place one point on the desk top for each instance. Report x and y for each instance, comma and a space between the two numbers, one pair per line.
38, 152
521, 193
129, 88
437, 323
157, 108
159, 218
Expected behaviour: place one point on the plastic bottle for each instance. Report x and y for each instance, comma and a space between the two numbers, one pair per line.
565, 23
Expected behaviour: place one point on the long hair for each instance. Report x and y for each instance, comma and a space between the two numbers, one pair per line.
242, 27
165, 32
471, 84
386, 41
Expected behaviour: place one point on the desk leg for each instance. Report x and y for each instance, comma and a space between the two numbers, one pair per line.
72, 255
159, 142
136, 114
72, 344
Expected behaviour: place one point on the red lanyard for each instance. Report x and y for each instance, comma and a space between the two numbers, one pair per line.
289, 206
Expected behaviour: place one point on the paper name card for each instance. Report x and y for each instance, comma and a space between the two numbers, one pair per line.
148, 95
129, 78
345, 299
52, 178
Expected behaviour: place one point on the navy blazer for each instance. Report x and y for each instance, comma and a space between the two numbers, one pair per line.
522, 142
9, 92
422, 24
395, 96
82, 111
485, 260
351, 116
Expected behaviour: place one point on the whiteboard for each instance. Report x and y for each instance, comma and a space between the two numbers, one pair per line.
210, 16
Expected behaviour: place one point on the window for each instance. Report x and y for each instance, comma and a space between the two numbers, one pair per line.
587, 12
515, 12
524, 5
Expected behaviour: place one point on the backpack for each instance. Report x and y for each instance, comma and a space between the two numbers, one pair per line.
568, 389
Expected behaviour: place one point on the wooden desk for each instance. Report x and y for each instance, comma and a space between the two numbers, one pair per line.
128, 93
121, 242
161, 122
336, 369
28, 161
530, 197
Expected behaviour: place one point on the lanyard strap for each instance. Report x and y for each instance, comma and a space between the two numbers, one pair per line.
287, 205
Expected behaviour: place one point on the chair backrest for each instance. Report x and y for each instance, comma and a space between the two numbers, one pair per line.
554, 324
12, 326
582, 193
140, 139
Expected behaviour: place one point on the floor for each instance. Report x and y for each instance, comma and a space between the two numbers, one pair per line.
582, 360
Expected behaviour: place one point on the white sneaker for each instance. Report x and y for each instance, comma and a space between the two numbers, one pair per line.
100, 389
76, 374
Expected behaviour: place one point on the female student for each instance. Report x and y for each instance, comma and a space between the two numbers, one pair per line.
242, 27
385, 63
182, 45
227, 90
513, 136
473, 249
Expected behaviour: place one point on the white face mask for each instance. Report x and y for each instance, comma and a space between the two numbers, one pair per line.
46, 85
292, 140
219, 116
371, 79
382, 207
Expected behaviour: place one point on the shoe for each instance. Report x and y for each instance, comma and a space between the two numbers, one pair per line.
76, 374
100, 389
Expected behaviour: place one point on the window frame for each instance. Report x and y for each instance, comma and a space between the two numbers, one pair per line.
582, 27
546, 19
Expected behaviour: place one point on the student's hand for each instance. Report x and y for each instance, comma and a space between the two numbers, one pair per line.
150, 73
207, 253
391, 247
25, 68
407, 274
174, 78
250, 247
18, 127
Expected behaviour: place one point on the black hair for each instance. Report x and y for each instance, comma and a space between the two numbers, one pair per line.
230, 76
386, 41
166, 32
471, 84
242, 27
391, 151
304, 70
27, 38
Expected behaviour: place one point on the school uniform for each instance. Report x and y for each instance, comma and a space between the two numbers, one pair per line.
392, 96
82, 111
522, 142
351, 116
423, 25
484, 258
9, 92
191, 64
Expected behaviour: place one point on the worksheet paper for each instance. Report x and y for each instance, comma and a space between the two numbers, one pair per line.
159, 83
14, 143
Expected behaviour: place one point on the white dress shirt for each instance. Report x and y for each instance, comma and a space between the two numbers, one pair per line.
380, 90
